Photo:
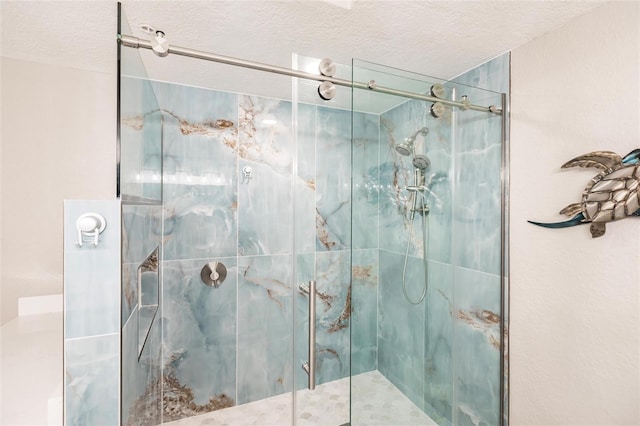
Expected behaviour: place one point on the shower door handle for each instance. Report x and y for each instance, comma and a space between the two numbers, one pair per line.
310, 366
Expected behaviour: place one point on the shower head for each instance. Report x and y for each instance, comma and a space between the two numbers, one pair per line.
406, 148
421, 162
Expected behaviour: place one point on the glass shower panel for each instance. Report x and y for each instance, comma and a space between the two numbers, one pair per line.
322, 219
139, 128
426, 220
140, 189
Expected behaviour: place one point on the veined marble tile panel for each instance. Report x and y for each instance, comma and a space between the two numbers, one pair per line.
333, 315
200, 195
305, 182
366, 180
401, 325
140, 139
265, 212
364, 307
141, 403
92, 380
439, 343
333, 177
477, 346
199, 339
265, 326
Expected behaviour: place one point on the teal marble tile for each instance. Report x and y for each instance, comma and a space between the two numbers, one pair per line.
200, 110
265, 326
141, 233
477, 346
200, 174
141, 378
477, 199
439, 343
365, 185
200, 196
305, 181
364, 311
92, 380
265, 212
401, 326
492, 75
140, 140
92, 273
333, 179
199, 325
333, 315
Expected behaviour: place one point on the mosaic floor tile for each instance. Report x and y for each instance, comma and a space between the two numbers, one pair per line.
376, 402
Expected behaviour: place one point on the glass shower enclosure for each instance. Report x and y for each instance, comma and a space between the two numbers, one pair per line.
236, 206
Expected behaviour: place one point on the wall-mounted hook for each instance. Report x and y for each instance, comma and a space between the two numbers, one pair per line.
90, 225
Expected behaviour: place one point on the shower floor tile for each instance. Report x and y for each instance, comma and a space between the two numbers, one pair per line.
376, 402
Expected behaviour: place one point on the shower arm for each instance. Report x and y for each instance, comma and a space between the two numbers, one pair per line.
135, 42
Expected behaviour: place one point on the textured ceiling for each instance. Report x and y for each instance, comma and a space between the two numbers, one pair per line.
438, 38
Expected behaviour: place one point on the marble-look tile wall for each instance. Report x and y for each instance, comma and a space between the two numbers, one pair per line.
232, 194
454, 338
91, 317
140, 371
141, 233
477, 270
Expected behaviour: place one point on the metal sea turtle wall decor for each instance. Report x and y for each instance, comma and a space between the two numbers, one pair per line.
613, 194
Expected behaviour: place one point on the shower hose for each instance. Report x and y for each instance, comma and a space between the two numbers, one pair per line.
425, 246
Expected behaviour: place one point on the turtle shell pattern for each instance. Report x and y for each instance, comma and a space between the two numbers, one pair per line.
610, 195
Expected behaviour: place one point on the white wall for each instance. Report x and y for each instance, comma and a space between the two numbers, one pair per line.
58, 142
574, 326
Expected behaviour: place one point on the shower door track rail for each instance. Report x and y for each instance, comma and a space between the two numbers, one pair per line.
135, 42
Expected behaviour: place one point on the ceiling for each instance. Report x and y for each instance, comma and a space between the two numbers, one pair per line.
438, 38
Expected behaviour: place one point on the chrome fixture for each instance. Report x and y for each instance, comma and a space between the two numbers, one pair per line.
466, 103
407, 147
420, 162
138, 43
247, 174
310, 366
327, 90
437, 110
418, 204
213, 274
327, 67
160, 45
437, 90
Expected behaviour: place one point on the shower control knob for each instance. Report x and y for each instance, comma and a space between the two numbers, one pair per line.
213, 274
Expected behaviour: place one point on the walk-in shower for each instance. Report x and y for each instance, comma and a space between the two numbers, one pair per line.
294, 286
